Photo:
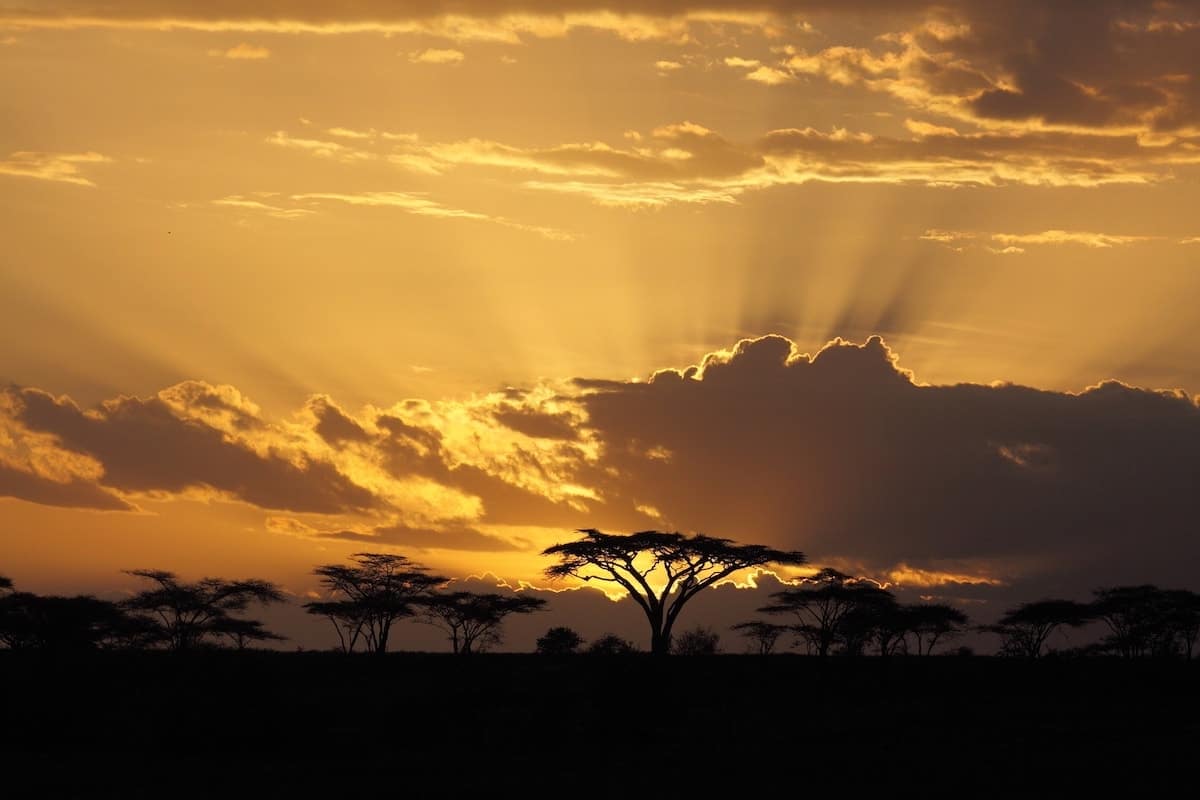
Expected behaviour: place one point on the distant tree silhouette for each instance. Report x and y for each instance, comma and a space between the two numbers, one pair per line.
764, 635
1145, 620
685, 566
559, 641
932, 622
698, 641
243, 632
369, 595
83, 622
1024, 630
472, 621
823, 604
1183, 617
187, 613
6, 585
611, 645
874, 619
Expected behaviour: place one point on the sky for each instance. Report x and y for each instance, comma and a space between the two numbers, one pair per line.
908, 286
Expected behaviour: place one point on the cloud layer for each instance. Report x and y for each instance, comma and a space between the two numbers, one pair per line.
842, 454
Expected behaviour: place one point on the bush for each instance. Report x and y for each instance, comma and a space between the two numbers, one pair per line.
611, 645
559, 641
699, 641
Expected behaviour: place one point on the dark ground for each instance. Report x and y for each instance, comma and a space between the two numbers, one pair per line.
295, 724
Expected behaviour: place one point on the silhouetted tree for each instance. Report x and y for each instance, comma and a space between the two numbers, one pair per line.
931, 622
698, 641
187, 613
242, 632
471, 620
611, 645
369, 595
1025, 629
30, 621
6, 585
559, 641
684, 565
1138, 619
764, 635
821, 605
874, 619
1183, 617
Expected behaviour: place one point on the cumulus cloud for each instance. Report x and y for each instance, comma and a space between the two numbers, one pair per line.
843, 454
60, 167
170, 444
956, 491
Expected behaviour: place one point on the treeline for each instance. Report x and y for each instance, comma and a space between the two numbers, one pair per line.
834, 613
827, 614
365, 599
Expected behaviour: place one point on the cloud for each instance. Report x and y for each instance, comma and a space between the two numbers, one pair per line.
844, 455
963, 491
249, 204
302, 205
508, 21
454, 537
243, 52
435, 56
60, 167
74, 493
1015, 243
688, 163
169, 443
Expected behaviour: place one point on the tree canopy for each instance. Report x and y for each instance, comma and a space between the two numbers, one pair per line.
1025, 629
823, 604
660, 571
368, 595
189, 613
471, 620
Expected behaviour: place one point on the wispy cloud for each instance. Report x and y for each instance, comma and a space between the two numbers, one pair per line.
243, 52
1016, 243
301, 205
435, 56
60, 167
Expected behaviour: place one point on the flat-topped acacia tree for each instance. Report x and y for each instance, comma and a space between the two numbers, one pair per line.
684, 565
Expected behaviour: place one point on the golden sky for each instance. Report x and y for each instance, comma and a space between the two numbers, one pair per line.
280, 281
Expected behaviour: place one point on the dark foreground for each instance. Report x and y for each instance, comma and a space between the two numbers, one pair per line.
291, 724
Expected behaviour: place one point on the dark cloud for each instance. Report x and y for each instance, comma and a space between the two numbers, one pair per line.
452, 538
72, 494
538, 424
845, 457
144, 446
334, 425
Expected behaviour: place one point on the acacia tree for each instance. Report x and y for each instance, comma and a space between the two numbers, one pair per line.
931, 622
242, 632
369, 595
764, 635
1134, 616
1025, 629
823, 604
660, 571
472, 621
1183, 617
186, 613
